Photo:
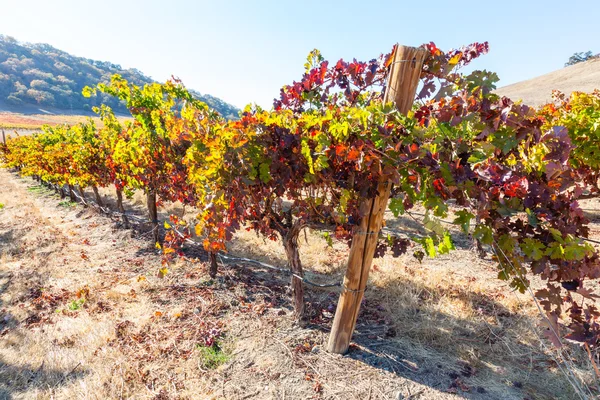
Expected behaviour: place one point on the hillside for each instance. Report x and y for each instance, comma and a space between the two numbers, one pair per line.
38, 77
583, 77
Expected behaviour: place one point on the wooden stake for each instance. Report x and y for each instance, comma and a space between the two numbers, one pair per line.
401, 89
3, 137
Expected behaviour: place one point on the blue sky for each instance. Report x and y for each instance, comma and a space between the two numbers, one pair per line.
244, 51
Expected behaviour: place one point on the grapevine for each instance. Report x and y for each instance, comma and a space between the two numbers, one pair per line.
510, 174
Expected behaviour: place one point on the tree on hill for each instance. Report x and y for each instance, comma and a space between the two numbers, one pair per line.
581, 57
39, 74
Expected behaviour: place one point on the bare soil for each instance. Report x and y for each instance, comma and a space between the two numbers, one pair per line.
83, 315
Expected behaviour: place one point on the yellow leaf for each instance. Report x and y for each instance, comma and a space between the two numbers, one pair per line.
167, 226
454, 60
163, 272
141, 278
158, 246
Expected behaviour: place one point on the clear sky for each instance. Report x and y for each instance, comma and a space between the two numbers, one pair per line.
244, 51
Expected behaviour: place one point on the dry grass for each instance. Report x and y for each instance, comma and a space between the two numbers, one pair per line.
443, 329
581, 77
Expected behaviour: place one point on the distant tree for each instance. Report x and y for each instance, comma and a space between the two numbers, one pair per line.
39, 84
62, 67
41, 97
9, 39
581, 57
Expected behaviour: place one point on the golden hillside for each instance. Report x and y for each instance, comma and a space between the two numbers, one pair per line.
583, 77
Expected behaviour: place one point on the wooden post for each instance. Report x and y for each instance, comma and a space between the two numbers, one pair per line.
401, 89
3, 137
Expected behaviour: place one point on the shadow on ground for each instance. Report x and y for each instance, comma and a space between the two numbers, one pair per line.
483, 357
470, 357
15, 380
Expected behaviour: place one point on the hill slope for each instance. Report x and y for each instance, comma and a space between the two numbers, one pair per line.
39, 75
583, 77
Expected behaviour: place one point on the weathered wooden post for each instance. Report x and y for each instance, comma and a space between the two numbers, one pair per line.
401, 89
3, 137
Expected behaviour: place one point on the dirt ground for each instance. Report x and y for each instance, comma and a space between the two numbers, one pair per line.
83, 315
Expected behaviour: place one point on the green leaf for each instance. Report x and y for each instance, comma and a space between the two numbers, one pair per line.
396, 206
532, 218
437, 204
576, 251
483, 234
507, 243
265, 172
446, 244
464, 220
557, 235
433, 225
307, 154
505, 139
533, 248
429, 247
503, 275
555, 251
328, 239
344, 197
477, 157
322, 163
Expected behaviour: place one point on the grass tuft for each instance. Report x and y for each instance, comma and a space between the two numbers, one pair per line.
67, 203
213, 357
76, 304
37, 189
